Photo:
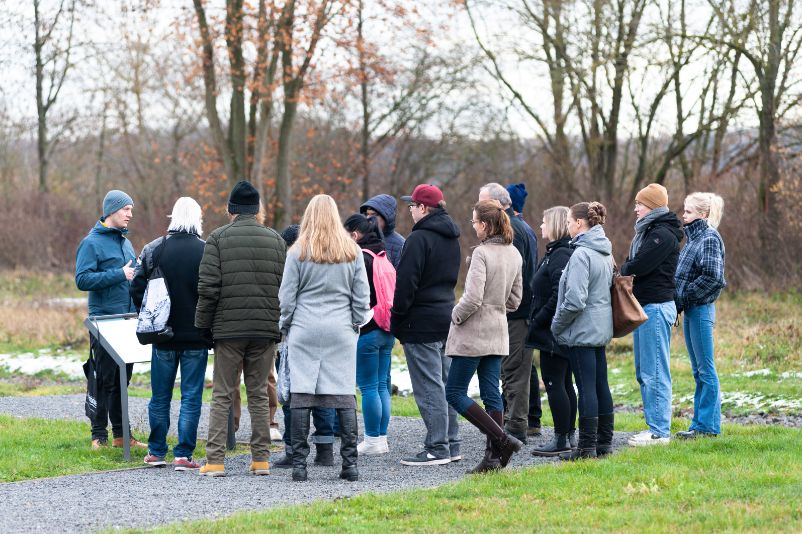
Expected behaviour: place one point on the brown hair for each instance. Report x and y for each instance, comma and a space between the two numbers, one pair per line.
498, 223
593, 212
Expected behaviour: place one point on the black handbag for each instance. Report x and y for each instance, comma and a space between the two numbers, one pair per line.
154, 313
90, 371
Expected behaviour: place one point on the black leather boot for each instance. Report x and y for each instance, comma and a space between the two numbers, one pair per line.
348, 437
586, 448
324, 454
300, 442
557, 446
604, 443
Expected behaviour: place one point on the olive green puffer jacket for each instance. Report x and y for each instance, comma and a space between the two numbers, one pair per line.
239, 277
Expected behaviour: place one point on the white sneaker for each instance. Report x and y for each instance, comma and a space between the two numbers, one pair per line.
373, 446
275, 434
646, 438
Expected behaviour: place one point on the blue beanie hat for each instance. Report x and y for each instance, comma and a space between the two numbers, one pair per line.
517, 196
115, 200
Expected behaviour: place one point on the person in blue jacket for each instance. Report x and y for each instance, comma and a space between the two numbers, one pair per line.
104, 267
384, 206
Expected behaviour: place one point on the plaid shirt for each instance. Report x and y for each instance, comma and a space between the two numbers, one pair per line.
700, 270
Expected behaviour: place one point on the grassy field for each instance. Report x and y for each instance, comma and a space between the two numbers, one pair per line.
748, 480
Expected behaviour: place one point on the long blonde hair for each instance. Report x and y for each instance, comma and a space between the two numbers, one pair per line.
322, 238
708, 205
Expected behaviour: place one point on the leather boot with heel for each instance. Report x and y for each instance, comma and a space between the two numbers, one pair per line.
300, 442
500, 445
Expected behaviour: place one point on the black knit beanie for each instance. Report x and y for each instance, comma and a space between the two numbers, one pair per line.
290, 234
244, 198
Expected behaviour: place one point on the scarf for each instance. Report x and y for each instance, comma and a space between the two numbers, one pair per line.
640, 228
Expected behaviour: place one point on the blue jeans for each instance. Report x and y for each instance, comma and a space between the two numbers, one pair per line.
652, 342
373, 352
428, 371
698, 325
323, 419
163, 368
462, 369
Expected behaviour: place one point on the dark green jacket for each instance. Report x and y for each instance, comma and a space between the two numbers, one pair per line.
239, 277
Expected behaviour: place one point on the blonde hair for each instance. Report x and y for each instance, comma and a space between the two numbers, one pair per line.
708, 205
556, 221
322, 238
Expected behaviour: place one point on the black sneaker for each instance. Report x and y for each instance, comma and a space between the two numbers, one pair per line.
425, 458
693, 434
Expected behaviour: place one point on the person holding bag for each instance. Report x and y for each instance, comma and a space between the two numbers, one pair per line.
478, 336
554, 366
375, 345
700, 279
583, 324
652, 261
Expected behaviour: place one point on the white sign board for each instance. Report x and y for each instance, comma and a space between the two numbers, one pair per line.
117, 334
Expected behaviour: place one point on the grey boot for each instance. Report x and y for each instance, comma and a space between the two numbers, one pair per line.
557, 446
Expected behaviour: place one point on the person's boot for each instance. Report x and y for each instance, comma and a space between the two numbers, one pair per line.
285, 461
300, 442
502, 445
604, 442
324, 454
557, 446
348, 450
572, 438
586, 448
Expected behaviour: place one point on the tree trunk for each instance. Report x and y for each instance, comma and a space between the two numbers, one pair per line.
283, 179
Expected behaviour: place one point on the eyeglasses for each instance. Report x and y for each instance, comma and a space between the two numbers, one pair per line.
473, 221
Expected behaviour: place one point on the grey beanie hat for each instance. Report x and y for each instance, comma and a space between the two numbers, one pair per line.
115, 200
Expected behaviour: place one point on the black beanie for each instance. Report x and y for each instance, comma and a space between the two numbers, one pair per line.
290, 234
244, 198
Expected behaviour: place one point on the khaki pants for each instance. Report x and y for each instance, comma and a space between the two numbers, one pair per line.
272, 396
255, 358
515, 371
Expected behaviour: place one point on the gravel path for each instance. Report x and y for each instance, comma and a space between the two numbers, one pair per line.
149, 496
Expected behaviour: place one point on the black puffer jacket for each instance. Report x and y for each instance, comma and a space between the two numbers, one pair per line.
522, 242
240, 275
179, 258
655, 264
545, 285
425, 280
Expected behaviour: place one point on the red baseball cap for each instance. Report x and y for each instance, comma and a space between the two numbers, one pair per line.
426, 194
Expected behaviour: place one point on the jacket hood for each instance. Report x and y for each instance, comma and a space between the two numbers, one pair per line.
672, 223
386, 206
594, 239
101, 228
439, 222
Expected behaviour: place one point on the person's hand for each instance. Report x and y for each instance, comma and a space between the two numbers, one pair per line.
128, 270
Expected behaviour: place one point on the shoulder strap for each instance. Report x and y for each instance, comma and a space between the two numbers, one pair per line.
157, 260
373, 254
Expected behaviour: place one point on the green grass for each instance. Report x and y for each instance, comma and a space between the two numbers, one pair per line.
750, 479
39, 448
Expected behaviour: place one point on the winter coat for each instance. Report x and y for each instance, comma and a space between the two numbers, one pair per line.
700, 270
493, 288
545, 289
386, 206
655, 262
527, 247
179, 259
375, 245
584, 316
99, 263
425, 280
240, 274
322, 306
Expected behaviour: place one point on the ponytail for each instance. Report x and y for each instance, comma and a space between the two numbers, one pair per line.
708, 205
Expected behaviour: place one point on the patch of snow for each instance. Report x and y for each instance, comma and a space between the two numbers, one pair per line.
70, 365
756, 372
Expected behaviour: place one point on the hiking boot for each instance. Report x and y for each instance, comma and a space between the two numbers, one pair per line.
534, 431
213, 470
185, 464
371, 446
259, 468
646, 439
155, 461
99, 443
425, 458
118, 442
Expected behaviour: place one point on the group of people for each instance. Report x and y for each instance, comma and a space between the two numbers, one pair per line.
332, 296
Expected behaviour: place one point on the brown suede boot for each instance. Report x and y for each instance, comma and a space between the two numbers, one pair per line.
502, 445
509, 445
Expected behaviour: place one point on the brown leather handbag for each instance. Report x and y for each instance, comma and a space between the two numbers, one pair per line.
628, 314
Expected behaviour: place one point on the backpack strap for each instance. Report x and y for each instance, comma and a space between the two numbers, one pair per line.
374, 255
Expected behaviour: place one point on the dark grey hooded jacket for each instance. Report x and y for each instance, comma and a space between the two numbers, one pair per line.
386, 206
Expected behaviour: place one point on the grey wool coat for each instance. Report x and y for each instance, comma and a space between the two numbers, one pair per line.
493, 288
584, 316
320, 304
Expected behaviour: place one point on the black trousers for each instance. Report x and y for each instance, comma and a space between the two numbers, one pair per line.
109, 405
535, 409
556, 372
590, 370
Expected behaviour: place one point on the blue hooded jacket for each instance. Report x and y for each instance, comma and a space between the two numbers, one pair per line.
99, 265
385, 205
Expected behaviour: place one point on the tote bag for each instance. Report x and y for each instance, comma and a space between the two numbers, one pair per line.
151, 326
628, 314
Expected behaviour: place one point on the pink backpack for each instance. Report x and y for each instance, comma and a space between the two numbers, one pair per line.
384, 284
